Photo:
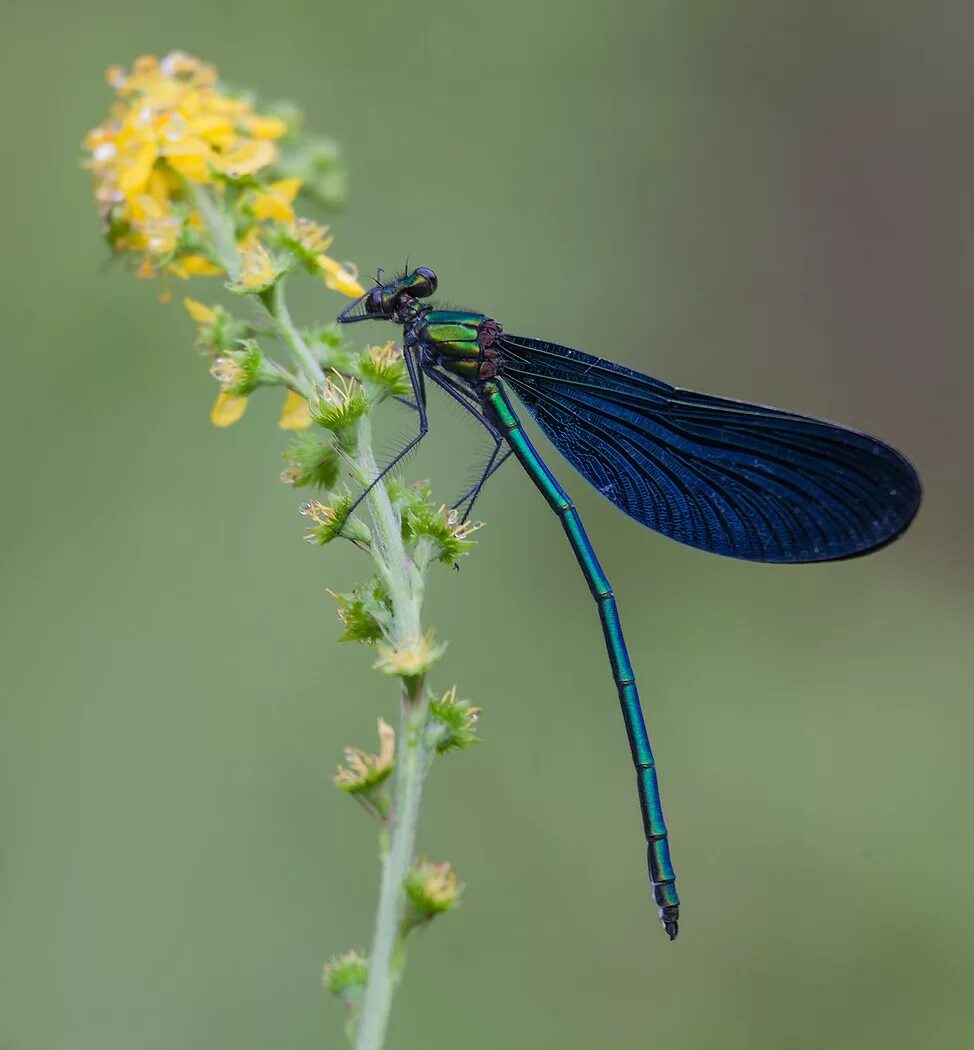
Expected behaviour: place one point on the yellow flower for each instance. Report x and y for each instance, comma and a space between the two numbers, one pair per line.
409, 658
200, 314
338, 402
341, 277
156, 229
257, 270
265, 127
194, 266
296, 414
172, 126
227, 409
227, 371
311, 236
431, 889
435, 885
275, 202
363, 771
190, 157
247, 159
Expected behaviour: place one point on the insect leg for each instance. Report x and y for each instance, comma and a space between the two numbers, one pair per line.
419, 393
471, 402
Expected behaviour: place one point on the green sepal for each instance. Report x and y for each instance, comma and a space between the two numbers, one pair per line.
240, 372
439, 527
431, 890
330, 521
311, 462
296, 241
383, 369
452, 723
243, 285
365, 611
344, 973
338, 404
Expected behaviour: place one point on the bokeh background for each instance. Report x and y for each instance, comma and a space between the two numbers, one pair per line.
766, 200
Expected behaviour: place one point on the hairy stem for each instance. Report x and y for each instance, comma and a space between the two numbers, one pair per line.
404, 583
385, 957
281, 317
220, 228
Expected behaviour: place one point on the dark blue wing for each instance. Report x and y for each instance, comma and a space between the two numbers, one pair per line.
724, 476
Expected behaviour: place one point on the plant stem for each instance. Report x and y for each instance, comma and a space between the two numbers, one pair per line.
281, 317
404, 583
412, 762
220, 227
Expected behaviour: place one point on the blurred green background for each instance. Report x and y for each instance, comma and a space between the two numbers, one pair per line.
771, 201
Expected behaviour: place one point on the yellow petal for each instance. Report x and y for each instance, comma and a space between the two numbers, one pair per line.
296, 414
340, 278
137, 168
250, 242
216, 128
266, 127
199, 266
270, 206
275, 202
191, 158
248, 158
161, 185
200, 314
227, 410
256, 268
145, 210
286, 188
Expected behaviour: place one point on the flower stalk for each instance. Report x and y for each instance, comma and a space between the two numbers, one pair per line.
192, 181
387, 958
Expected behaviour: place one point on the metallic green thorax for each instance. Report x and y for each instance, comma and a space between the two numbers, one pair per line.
454, 338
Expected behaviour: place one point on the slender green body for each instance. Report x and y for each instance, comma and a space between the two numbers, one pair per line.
455, 349
497, 403
745, 481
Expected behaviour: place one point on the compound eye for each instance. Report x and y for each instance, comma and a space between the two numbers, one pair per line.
423, 282
373, 305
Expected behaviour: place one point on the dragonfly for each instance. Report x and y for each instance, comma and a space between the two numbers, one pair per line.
724, 476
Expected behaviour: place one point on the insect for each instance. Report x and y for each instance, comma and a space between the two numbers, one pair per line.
724, 476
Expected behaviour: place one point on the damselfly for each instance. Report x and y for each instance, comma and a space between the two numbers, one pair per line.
723, 476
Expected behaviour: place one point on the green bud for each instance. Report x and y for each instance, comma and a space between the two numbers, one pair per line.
452, 722
344, 972
409, 657
431, 889
338, 403
346, 976
383, 370
310, 462
259, 272
364, 775
366, 612
440, 529
330, 521
241, 372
